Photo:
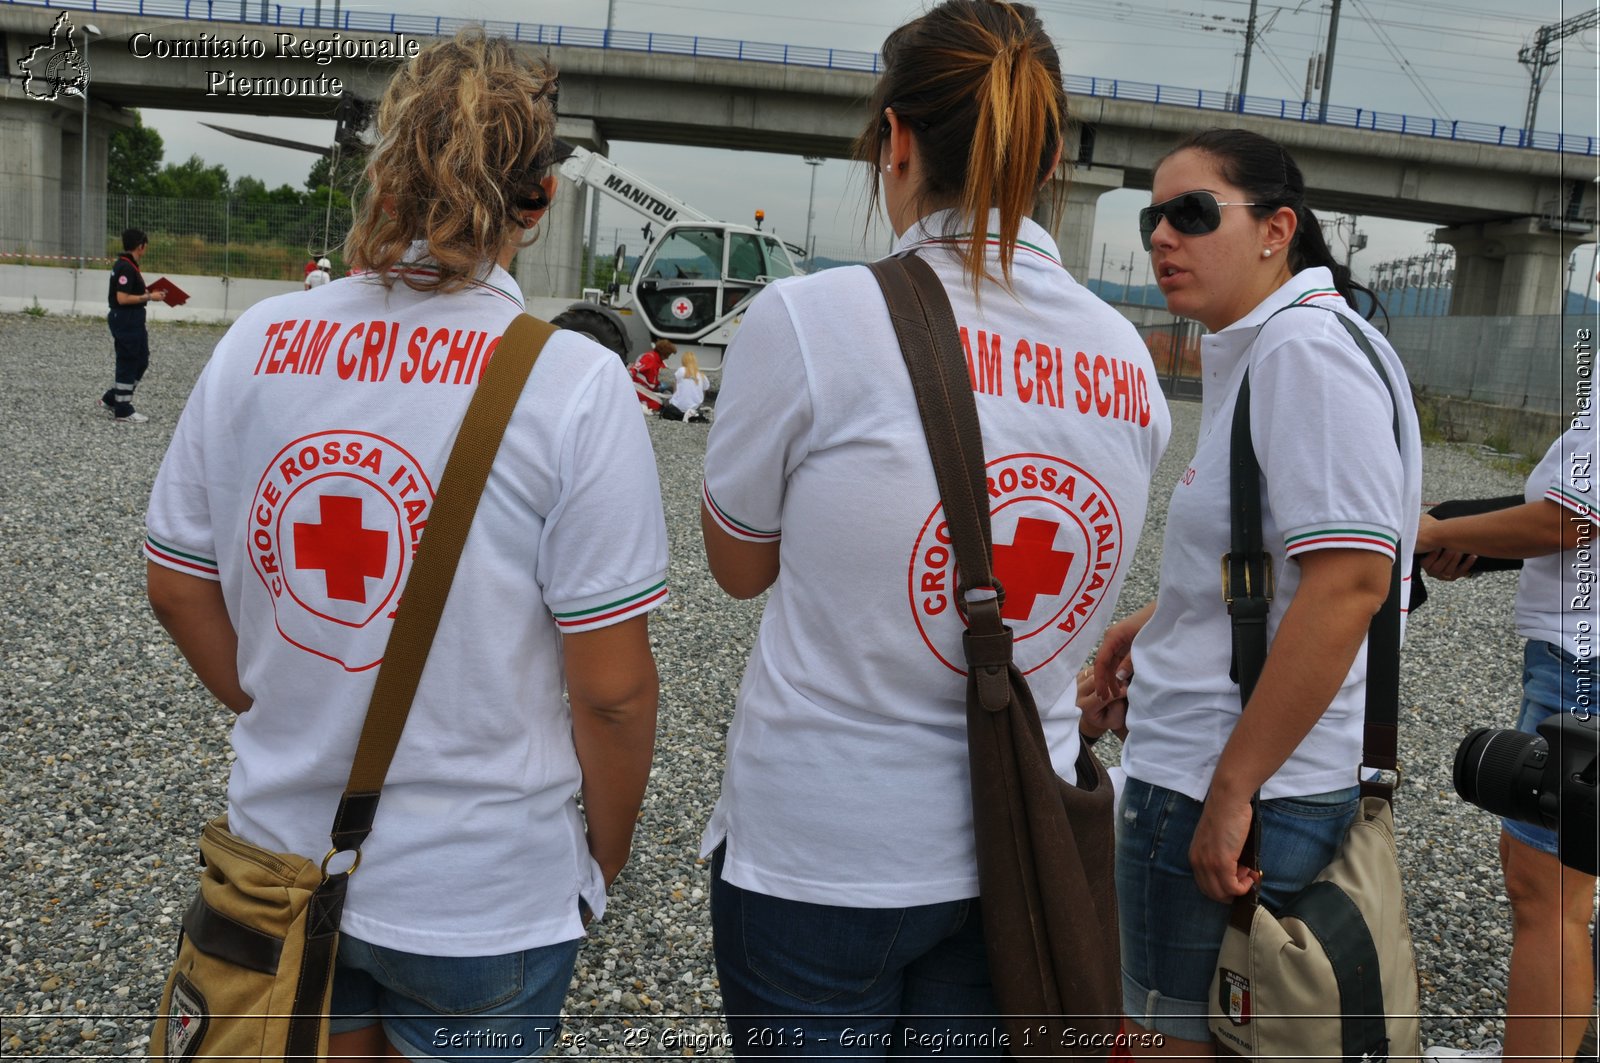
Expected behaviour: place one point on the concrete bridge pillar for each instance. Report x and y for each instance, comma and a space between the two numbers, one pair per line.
40, 176
1508, 267
553, 266
1074, 229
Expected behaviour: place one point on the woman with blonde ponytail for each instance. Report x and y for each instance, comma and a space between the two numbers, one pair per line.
844, 874
284, 528
688, 392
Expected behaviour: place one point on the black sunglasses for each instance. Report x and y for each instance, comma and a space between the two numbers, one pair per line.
1193, 214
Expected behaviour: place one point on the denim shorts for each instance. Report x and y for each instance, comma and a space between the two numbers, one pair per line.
803, 979
1553, 681
1171, 932
454, 1007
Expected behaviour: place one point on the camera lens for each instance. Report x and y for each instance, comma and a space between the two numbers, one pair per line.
1501, 771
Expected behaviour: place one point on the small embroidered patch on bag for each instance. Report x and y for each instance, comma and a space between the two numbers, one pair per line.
186, 1019
1235, 994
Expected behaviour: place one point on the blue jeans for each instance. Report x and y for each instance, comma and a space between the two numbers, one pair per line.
454, 1007
801, 979
1553, 681
1171, 932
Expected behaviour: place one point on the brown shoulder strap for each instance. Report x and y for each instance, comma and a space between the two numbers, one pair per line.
449, 520
926, 328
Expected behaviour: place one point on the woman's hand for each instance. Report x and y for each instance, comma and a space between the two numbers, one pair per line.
1112, 668
1448, 565
1099, 714
1214, 853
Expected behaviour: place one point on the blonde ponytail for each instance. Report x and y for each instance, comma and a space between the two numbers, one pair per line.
466, 131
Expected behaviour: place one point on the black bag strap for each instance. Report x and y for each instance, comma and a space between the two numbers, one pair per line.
450, 518
1247, 588
925, 325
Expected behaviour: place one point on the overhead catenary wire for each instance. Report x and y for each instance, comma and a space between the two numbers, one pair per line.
1404, 63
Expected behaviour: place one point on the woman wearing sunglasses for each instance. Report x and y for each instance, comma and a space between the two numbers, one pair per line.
1234, 246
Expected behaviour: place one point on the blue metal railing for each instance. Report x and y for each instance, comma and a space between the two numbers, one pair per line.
251, 12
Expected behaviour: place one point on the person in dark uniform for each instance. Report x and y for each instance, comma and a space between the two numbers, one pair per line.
127, 299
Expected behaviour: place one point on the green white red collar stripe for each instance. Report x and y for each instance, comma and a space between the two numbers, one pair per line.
733, 527
991, 240
613, 611
1315, 293
1577, 503
412, 269
1336, 537
173, 557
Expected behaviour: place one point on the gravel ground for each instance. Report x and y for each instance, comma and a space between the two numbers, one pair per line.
114, 755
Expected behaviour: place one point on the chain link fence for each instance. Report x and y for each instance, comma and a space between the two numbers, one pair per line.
229, 237
1516, 363
1521, 363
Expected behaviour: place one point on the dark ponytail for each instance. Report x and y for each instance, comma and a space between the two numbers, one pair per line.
979, 84
1265, 171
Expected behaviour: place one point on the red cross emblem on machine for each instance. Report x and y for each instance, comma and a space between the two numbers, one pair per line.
1057, 547
334, 527
682, 308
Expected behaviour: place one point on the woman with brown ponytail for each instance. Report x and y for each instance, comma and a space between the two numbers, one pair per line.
845, 885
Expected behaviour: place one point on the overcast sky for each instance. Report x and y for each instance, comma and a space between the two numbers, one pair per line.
1435, 58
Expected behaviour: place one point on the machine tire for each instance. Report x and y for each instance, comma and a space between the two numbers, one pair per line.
593, 323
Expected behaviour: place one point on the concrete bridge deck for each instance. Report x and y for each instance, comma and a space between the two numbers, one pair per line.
1512, 212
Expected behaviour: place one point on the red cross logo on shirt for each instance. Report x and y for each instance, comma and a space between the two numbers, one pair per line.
347, 553
1030, 566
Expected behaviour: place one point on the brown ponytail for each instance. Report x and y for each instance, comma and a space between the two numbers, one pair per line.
979, 84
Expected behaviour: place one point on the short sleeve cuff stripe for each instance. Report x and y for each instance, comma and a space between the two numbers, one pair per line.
181, 560
1340, 537
612, 612
1567, 500
733, 527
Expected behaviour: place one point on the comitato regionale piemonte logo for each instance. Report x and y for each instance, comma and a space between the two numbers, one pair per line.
56, 68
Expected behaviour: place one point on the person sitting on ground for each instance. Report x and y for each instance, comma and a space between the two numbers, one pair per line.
689, 392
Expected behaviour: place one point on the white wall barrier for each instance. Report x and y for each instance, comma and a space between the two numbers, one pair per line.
213, 300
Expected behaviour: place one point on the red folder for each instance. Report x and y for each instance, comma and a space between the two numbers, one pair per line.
176, 296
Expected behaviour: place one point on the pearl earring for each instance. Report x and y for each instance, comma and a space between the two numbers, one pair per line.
1266, 252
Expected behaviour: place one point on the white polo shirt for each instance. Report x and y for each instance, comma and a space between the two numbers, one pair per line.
301, 477
847, 779
689, 391
1556, 592
1332, 478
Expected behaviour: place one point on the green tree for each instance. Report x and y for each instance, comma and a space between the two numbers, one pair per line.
254, 190
351, 167
193, 180
249, 189
135, 160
